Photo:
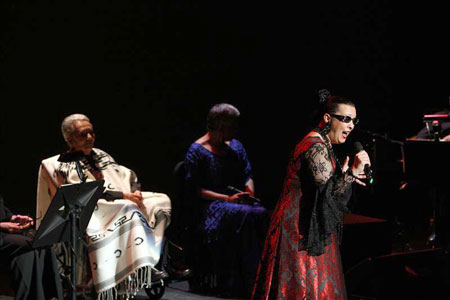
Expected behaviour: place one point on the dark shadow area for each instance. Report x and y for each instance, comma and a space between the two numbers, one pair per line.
147, 72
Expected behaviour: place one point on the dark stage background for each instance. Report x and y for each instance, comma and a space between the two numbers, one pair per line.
146, 73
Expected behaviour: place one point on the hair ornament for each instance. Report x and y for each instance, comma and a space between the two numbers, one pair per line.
324, 94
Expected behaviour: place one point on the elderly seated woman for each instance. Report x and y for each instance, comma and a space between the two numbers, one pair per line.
126, 230
226, 248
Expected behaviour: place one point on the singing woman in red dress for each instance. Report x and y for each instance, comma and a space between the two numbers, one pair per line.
301, 258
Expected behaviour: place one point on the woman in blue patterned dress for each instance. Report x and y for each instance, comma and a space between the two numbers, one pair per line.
230, 225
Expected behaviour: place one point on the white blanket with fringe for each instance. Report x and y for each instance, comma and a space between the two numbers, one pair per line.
124, 241
123, 246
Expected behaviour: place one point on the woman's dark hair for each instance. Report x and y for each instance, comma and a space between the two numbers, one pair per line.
219, 114
328, 104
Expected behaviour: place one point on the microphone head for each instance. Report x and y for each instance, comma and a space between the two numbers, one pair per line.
358, 147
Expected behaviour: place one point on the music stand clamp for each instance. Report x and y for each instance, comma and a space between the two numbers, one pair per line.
67, 218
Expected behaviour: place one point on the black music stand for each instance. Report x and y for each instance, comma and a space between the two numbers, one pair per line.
67, 218
428, 162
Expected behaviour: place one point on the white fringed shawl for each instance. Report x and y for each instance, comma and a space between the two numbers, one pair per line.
124, 242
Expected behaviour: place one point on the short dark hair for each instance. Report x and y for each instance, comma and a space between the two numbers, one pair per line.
220, 113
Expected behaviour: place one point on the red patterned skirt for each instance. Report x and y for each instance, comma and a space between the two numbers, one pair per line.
288, 274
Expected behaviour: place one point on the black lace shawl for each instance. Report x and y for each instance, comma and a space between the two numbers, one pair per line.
325, 194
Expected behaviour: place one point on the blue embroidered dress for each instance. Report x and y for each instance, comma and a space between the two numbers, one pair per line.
230, 236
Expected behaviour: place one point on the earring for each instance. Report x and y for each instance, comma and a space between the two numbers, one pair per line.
327, 127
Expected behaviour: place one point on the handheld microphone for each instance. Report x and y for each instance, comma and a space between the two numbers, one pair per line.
367, 170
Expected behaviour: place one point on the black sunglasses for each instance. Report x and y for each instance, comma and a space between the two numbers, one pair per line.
345, 119
85, 133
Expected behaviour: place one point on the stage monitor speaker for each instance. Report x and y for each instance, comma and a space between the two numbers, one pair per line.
413, 275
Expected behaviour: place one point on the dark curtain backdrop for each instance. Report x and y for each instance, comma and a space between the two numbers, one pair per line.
146, 73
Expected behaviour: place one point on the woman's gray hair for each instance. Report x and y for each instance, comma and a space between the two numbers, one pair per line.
67, 125
220, 113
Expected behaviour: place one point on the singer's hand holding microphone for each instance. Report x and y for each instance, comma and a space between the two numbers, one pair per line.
361, 163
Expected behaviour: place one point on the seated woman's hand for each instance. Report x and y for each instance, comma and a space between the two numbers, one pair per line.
12, 227
22, 220
238, 197
136, 197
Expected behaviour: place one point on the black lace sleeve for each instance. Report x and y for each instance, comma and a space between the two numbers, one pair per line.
321, 169
322, 213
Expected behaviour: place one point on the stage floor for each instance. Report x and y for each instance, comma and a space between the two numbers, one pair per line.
177, 291
174, 291
405, 260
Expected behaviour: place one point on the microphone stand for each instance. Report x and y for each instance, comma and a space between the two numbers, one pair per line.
386, 138
381, 136
74, 212
74, 217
